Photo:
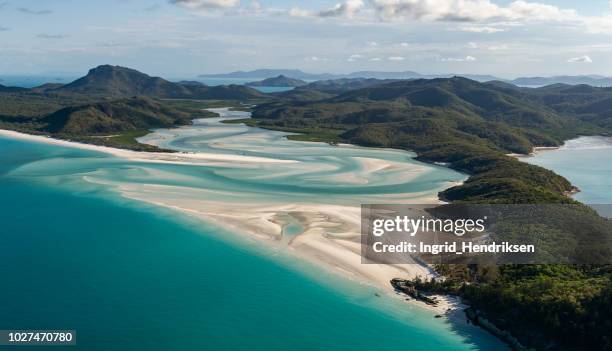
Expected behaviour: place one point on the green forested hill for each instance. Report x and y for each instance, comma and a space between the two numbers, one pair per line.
113, 116
471, 127
116, 81
325, 89
111, 100
113, 122
5, 89
468, 124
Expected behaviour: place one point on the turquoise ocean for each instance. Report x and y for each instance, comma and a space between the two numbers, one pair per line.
127, 275
587, 163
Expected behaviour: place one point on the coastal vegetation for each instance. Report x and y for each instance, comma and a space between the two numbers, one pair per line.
113, 106
468, 125
548, 307
471, 127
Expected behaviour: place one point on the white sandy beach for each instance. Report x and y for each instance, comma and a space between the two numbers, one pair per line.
331, 233
139, 156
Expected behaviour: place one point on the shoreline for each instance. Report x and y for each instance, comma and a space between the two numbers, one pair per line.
536, 150
542, 149
604, 141
144, 156
339, 252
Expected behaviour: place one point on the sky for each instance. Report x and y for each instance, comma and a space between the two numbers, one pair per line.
185, 38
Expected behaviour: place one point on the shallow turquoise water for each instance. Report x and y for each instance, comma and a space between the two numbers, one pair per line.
316, 172
126, 276
587, 163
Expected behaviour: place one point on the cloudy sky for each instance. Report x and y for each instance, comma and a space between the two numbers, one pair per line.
183, 38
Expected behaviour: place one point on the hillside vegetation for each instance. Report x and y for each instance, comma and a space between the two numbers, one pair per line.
116, 81
472, 127
113, 116
112, 106
469, 125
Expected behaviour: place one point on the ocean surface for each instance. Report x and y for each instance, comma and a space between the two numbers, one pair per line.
34, 81
587, 163
125, 275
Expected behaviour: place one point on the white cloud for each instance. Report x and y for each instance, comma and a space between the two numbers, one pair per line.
476, 16
601, 24
375, 59
206, 4
533, 11
316, 58
472, 45
354, 58
481, 29
346, 9
458, 59
580, 59
498, 47
298, 12
469, 10
396, 58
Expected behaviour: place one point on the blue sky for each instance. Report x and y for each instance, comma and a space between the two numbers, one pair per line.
184, 38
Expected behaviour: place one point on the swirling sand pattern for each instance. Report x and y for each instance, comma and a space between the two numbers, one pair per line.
300, 196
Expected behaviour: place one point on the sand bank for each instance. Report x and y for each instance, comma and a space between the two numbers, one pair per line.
139, 156
329, 235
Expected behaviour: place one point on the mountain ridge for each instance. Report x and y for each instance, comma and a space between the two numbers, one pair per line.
117, 81
594, 80
279, 81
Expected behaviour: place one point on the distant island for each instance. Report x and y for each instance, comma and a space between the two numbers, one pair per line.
593, 80
270, 73
280, 81
298, 74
